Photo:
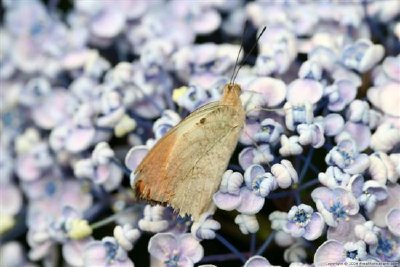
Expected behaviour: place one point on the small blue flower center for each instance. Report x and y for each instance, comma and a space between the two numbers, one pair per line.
172, 262
50, 188
386, 246
352, 254
257, 183
111, 250
301, 217
348, 157
338, 211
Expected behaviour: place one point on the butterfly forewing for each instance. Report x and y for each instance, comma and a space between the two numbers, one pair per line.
185, 167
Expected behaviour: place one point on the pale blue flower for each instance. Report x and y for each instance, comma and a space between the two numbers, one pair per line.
387, 248
106, 253
304, 222
334, 204
362, 55
175, 250
346, 157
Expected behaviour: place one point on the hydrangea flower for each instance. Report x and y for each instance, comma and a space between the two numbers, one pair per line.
362, 55
387, 247
304, 222
106, 252
284, 174
269, 132
174, 250
347, 158
248, 199
333, 251
334, 204
247, 223
100, 168
295, 253
205, 228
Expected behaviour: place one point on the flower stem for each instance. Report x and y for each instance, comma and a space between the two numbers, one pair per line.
231, 247
105, 221
253, 241
266, 243
306, 164
223, 257
108, 220
124, 169
308, 184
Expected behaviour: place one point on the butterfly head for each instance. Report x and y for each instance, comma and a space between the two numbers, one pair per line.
231, 94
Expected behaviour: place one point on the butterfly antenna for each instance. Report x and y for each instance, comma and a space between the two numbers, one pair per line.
237, 58
249, 53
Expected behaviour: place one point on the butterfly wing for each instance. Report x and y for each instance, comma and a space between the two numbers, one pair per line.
185, 167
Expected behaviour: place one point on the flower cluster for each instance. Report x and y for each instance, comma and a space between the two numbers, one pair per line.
88, 89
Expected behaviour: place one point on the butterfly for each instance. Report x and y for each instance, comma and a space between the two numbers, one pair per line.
185, 167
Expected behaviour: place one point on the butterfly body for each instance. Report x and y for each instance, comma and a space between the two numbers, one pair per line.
185, 167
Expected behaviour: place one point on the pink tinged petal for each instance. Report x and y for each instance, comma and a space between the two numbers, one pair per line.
150, 109
112, 118
10, 199
102, 173
40, 251
251, 173
386, 98
272, 90
80, 139
226, 201
75, 59
183, 261
294, 229
95, 254
378, 215
323, 194
190, 247
26, 168
304, 90
125, 263
333, 124
330, 252
116, 176
356, 184
207, 22
347, 91
52, 111
73, 251
371, 57
344, 231
246, 157
108, 23
393, 221
161, 244
359, 165
135, 156
377, 189
315, 227
391, 67
251, 203
360, 133
347, 199
249, 130
257, 261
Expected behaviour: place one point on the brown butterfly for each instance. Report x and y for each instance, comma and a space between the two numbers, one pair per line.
184, 169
